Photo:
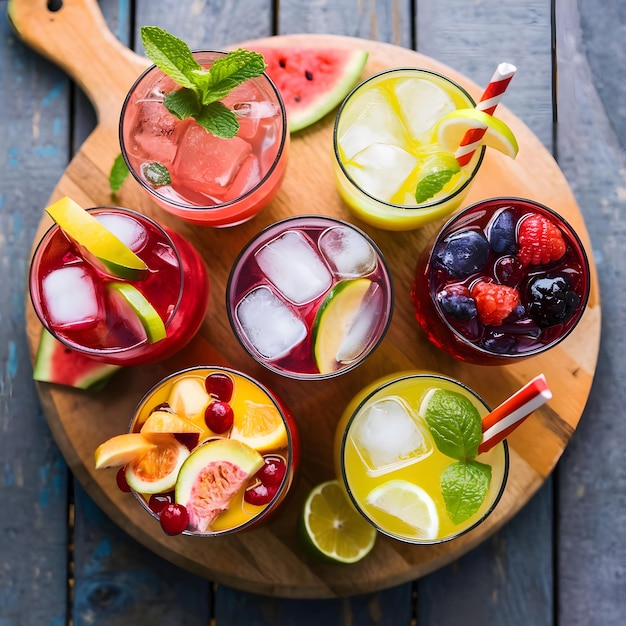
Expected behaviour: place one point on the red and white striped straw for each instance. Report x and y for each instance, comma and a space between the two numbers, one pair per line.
487, 103
512, 412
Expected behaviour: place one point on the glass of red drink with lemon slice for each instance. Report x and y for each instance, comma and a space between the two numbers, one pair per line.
504, 279
210, 451
310, 297
115, 286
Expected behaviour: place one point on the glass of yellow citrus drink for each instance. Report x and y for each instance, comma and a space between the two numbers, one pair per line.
407, 450
210, 451
386, 145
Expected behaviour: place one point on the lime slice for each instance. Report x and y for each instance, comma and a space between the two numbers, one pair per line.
146, 313
452, 127
435, 172
332, 529
99, 242
408, 503
334, 319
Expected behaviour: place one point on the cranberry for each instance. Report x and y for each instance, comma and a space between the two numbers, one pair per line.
120, 478
272, 473
218, 416
219, 386
174, 519
189, 440
158, 501
259, 494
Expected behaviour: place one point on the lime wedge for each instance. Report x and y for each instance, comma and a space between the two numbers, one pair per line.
146, 313
100, 243
408, 503
334, 319
435, 172
451, 129
332, 529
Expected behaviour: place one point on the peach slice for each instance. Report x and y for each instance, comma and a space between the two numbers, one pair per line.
189, 398
166, 422
121, 449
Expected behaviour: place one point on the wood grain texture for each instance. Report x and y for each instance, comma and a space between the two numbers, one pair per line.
391, 563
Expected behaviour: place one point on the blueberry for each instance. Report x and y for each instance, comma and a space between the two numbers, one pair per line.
460, 306
502, 233
500, 343
552, 300
463, 253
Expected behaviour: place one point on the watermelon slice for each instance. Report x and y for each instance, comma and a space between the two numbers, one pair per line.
56, 363
312, 81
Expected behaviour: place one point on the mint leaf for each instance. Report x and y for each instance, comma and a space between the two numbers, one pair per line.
182, 103
218, 120
431, 185
454, 423
118, 174
157, 174
464, 486
171, 55
229, 72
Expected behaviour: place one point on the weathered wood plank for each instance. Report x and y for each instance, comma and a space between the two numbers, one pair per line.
591, 141
33, 478
508, 579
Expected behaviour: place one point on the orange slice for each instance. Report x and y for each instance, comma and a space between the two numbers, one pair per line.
260, 426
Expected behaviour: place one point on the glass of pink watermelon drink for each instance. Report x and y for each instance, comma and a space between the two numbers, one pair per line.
385, 143
505, 279
86, 307
190, 172
310, 297
219, 452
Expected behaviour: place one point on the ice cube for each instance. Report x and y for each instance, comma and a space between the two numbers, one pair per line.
127, 229
296, 269
71, 298
251, 114
388, 436
166, 253
156, 132
348, 253
381, 169
363, 330
422, 104
268, 323
208, 164
370, 119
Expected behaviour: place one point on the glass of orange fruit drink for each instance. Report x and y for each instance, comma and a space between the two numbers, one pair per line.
210, 451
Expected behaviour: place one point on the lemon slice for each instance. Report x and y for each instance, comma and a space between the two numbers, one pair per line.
260, 426
332, 529
100, 243
334, 319
145, 312
451, 129
408, 503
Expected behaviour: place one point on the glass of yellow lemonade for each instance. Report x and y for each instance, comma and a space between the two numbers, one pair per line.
386, 145
407, 453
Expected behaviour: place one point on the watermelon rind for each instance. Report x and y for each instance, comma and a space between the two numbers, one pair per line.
56, 363
348, 73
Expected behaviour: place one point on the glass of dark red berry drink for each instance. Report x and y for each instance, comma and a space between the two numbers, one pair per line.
504, 279
210, 451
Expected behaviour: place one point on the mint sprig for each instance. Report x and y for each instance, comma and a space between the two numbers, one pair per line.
464, 485
201, 89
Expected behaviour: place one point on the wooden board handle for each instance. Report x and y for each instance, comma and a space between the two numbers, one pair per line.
77, 39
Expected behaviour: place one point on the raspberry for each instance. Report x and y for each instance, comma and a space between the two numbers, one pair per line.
540, 241
494, 302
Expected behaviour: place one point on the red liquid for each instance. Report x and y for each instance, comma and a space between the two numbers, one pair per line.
299, 362
176, 286
519, 335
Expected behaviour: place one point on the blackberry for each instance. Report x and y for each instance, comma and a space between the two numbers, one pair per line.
502, 233
463, 253
552, 301
457, 302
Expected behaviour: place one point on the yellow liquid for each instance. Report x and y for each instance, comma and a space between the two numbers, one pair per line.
399, 211
239, 511
410, 389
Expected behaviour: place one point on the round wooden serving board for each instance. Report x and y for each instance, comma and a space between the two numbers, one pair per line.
270, 560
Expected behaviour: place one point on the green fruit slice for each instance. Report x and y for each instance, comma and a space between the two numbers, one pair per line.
98, 241
145, 312
332, 529
156, 470
334, 320
211, 477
